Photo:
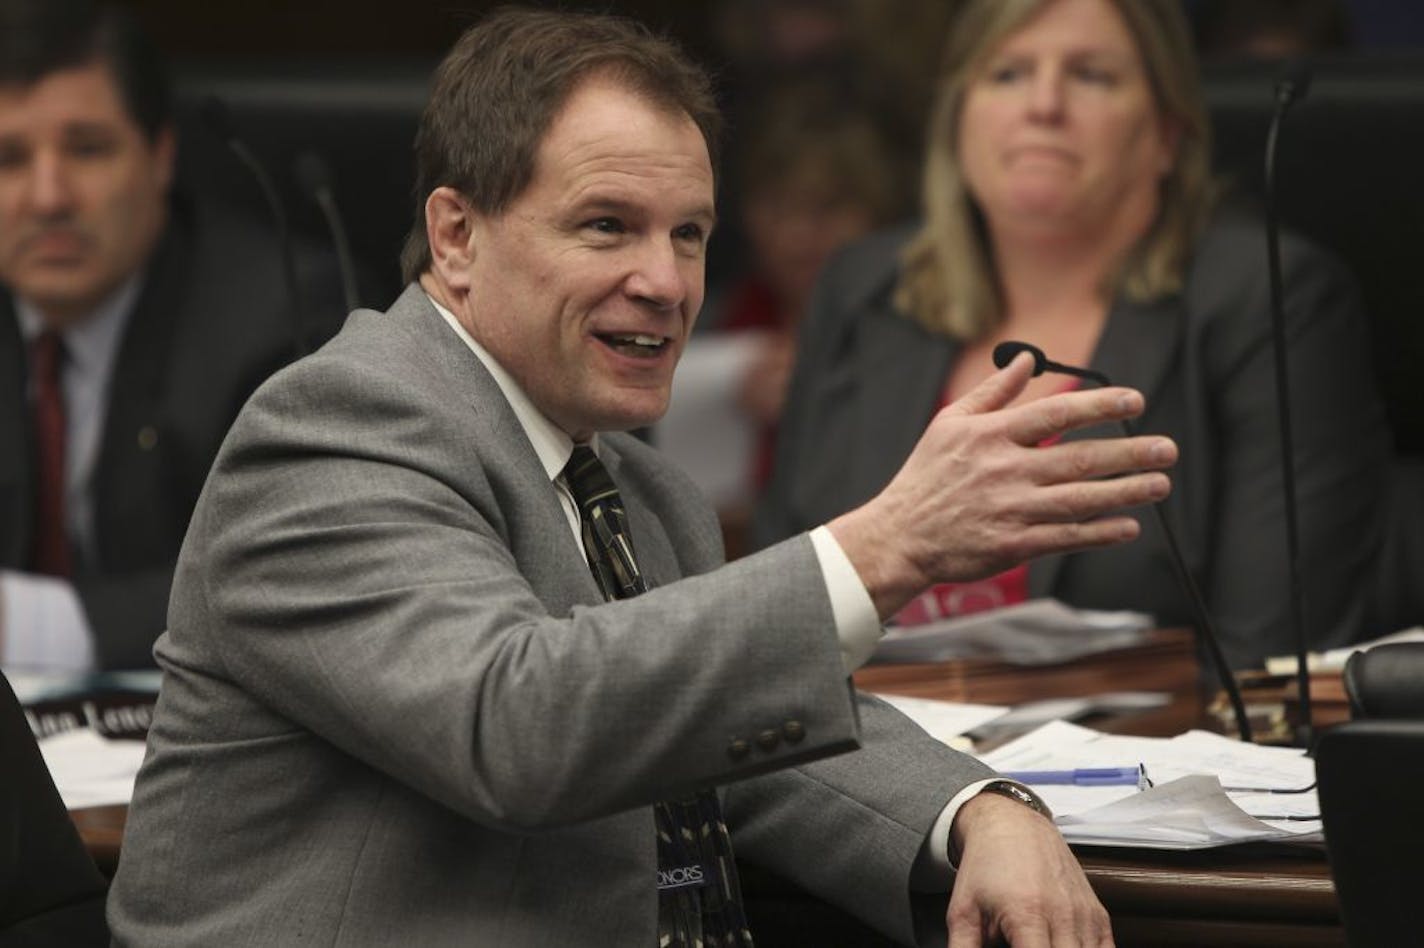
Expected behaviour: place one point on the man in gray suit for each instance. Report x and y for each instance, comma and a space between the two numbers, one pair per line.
396, 707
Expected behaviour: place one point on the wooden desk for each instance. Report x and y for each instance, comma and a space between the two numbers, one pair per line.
1233, 896
1224, 898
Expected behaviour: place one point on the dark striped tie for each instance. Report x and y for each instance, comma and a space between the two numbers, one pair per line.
50, 544
693, 842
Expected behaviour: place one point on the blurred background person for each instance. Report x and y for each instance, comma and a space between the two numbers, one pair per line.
1068, 204
134, 322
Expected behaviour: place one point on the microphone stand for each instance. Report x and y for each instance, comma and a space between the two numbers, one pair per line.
1004, 353
315, 177
1289, 89
215, 114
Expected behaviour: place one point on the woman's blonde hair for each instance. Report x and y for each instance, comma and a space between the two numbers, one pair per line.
947, 279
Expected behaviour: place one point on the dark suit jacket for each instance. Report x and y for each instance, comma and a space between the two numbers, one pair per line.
396, 709
211, 322
868, 379
51, 895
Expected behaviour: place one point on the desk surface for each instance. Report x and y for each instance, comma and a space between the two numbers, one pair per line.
1238, 896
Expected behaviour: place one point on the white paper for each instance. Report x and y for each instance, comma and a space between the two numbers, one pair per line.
1037, 632
91, 770
1188, 808
704, 430
1334, 659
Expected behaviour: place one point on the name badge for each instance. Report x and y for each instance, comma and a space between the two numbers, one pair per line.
683, 877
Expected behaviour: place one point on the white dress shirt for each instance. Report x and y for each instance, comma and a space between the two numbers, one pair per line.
44, 625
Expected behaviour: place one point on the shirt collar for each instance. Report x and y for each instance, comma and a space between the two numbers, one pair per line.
91, 342
551, 443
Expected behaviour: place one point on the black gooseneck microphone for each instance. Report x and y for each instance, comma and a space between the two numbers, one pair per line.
1004, 353
1291, 87
215, 115
314, 175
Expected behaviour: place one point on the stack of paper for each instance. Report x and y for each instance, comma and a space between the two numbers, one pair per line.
91, 770
1037, 632
1210, 790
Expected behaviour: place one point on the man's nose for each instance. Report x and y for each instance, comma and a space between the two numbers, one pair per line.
657, 276
51, 188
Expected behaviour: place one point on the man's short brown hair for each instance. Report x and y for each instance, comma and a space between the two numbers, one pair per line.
500, 88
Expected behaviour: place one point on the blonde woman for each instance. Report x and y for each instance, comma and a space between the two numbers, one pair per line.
1068, 203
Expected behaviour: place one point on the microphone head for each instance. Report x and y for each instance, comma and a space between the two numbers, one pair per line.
1005, 352
1293, 80
312, 173
216, 116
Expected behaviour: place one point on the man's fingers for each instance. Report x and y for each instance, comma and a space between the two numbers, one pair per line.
998, 390
1084, 501
1044, 539
1046, 417
1086, 460
966, 929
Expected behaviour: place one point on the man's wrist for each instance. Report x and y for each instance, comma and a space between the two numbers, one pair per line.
1006, 789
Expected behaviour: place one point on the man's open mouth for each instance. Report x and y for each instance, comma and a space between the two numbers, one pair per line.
634, 344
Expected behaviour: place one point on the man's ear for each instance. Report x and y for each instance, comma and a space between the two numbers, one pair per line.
450, 230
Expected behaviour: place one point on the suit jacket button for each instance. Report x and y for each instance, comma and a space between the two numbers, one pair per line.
794, 732
738, 749
147, 438
768, 740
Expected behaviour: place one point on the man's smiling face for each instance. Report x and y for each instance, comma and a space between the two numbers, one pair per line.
586, 286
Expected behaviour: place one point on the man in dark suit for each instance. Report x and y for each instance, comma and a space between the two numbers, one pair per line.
453, 659
51, 893
133, 325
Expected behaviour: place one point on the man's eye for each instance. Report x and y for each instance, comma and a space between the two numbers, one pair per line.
692, 233
12, 156
90, 147
607, 225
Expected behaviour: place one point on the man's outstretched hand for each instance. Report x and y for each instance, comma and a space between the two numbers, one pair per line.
980, 493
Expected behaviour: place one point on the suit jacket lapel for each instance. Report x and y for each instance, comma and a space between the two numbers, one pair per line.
508, 455
124, 471
1138, 346
14, 443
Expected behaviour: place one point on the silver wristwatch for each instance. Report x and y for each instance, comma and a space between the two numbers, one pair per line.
1017, 791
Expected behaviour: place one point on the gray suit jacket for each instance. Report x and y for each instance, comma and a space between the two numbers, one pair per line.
396, 711
868, 379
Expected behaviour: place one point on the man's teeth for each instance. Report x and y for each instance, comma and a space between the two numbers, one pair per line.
638, 340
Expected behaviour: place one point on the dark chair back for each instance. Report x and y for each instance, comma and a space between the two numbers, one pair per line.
1386, 682
1348, 177
1370, 774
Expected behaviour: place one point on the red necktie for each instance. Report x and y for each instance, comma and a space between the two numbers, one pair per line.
51, 538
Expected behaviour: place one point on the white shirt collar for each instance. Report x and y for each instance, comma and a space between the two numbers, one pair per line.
91, 343
551, 443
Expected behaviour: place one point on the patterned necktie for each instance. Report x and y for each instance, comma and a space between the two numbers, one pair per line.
50, 550
693, 843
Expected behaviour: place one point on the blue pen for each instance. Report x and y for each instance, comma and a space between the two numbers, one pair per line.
1086, 777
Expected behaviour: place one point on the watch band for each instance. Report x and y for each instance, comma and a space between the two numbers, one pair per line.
1017, 791
1014, 791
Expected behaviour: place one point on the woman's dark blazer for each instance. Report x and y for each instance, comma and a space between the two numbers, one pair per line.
868, 379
